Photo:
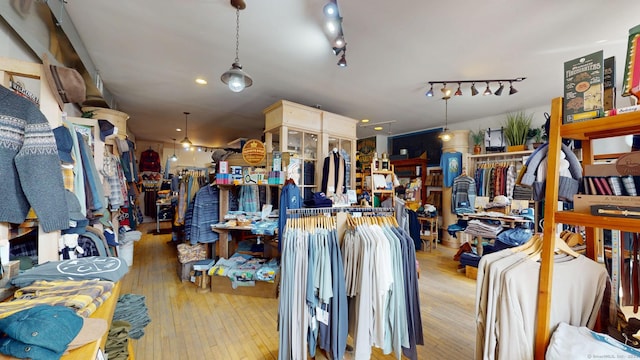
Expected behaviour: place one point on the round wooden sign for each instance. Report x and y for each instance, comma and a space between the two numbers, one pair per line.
253, 152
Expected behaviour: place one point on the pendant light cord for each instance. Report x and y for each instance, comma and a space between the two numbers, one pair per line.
446, 114
237, 34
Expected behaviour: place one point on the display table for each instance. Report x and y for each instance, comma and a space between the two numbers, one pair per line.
224, 231
89, 351
508, 221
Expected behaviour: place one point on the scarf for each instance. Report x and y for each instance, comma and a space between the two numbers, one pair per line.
335, 180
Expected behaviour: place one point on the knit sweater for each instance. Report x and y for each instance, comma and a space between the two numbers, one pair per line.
30, 166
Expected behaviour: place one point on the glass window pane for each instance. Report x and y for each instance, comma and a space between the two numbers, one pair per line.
294, 143
310, 145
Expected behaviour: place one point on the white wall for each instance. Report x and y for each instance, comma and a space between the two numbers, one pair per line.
600, 146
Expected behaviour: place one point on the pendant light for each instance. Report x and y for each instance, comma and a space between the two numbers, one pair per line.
173, 157
235, 77
446, 134
186, 143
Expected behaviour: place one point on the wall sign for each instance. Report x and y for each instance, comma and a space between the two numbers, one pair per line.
253, 152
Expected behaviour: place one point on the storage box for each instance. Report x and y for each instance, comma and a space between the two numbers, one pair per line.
184, 270
222, 284
471, 272
583, 203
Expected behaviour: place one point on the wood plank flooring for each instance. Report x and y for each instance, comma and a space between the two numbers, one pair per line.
186, 324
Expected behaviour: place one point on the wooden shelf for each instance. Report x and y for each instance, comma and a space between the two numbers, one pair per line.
406, 168
602, 222
618, 125
388, 192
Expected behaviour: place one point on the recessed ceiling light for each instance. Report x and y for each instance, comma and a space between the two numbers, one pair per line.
364, 120
178, 129
201, 81
378, 128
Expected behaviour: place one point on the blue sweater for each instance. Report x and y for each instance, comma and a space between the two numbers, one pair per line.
30, 166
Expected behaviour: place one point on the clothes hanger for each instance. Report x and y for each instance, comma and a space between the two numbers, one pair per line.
561, 245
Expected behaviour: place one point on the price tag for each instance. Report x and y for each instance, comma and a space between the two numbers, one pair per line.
322, 315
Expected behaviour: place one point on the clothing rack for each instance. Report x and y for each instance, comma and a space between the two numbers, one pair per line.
330, 210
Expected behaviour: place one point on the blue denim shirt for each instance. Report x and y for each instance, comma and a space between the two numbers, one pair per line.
205, 214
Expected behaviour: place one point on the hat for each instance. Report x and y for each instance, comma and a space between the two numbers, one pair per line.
46, 331
527, 214
106, 129
64, 141
67, 84
501, 200
77, 220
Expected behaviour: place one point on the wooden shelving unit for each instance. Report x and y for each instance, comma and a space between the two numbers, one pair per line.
382, 192
618, 125
408, 168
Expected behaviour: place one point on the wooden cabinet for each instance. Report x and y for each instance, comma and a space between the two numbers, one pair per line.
586, 131
410, 169
307, 135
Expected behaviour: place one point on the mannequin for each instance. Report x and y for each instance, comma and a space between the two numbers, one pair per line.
333, 174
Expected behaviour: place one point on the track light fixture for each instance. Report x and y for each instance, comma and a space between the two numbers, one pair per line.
343, 61
446, 92
334, 28
512, 90
499, 91
487, 91
430, 92
474, 90
458, 92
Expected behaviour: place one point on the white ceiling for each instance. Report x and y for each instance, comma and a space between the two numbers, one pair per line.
148, 53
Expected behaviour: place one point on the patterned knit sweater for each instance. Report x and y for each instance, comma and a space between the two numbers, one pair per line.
29, 165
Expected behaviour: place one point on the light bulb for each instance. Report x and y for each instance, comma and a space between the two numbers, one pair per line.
236, 83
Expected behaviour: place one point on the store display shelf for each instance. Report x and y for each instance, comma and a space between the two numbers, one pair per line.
602, 222
501, 154
605, 127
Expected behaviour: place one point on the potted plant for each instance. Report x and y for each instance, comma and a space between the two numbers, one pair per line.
516, 128
538, 135
477, 137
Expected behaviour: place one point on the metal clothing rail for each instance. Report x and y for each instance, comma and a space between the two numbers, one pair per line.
331, 210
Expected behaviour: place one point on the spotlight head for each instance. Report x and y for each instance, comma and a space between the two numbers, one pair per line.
458, 92
487, 91
430, 92
343, 61
499, 91
446, 92
474, 91
330, 10
338, 42
512, 90
338, 50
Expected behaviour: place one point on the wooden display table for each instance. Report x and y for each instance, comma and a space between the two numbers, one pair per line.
89, 351
223, 246
507, 221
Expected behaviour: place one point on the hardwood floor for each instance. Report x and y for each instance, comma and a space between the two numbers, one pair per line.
186, 324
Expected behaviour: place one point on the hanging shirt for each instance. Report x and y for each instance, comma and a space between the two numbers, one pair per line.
451, 164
